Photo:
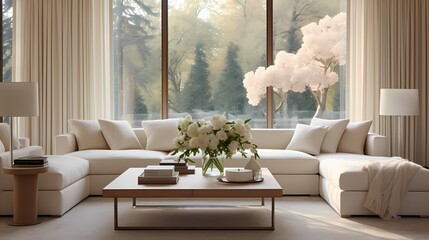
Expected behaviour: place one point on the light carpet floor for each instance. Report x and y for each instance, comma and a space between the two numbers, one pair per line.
296, 218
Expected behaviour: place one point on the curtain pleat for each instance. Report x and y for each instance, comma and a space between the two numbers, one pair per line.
388, 48
58, 43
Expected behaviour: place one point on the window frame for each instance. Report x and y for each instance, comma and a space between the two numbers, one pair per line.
270, 100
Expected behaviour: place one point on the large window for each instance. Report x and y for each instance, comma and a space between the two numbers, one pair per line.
211, 45
137, 60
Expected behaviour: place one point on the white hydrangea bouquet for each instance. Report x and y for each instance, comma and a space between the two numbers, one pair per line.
216, 138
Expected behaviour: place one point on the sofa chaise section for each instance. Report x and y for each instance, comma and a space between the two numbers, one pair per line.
64, 185
344, 185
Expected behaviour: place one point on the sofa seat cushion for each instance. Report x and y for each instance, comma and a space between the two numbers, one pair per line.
288, 162
114, 162
344, 170
279, 161
62, 172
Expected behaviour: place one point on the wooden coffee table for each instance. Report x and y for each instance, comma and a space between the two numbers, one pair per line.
191, 186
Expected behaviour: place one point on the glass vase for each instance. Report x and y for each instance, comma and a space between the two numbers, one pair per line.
213, 166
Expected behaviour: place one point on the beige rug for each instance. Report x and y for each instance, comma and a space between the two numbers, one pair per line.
296, 218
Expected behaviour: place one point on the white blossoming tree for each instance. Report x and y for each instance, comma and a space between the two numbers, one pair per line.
322, 50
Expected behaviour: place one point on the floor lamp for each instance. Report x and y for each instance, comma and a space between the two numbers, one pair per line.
18, 99
399, 102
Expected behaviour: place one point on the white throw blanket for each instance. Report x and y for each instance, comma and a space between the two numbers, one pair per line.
388, 181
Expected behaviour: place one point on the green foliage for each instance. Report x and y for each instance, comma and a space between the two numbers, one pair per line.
197, 91
230, 95
138, 102
301, 101
185, 30
134, 29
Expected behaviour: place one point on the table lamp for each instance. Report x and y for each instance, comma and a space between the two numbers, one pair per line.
399, 102
18, 99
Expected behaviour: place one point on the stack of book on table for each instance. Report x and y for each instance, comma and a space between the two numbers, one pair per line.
158, 174
180, 167
30, 162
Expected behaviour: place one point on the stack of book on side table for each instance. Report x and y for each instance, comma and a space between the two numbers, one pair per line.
30, 162
180, 167
158, 174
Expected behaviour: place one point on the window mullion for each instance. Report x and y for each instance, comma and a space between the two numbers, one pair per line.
164, 58
270, 110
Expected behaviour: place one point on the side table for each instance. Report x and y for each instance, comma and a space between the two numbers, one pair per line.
24, 194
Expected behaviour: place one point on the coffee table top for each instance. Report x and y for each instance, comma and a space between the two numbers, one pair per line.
191, 185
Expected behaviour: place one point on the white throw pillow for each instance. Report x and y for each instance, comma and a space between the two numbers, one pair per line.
5, 137
307, 139
2, 149
333, 135
354, 137
88, 134
160, 134
119, 135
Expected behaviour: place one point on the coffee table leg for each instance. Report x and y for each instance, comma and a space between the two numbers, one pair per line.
115, 212
272, 214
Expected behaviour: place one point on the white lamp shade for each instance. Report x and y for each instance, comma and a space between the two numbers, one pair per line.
18, 99
399, 102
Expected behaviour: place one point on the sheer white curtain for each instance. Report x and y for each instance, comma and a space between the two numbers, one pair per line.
65, 46
388, 48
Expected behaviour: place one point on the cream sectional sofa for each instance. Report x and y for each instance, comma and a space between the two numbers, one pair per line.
337, 177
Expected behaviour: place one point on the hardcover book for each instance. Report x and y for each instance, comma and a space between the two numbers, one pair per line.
155, 170
30, 160
187, 170
172, 162
142, 179
30, 165
180, 167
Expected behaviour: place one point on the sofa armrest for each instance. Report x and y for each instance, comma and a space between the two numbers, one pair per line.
376, 145
24, 142
65, 143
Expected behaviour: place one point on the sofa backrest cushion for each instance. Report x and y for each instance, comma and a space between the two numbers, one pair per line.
160, 134
354, 137
334, 133
2, 149
88, 134
307, 139
119, 134
141, 136
5, 137
270, 138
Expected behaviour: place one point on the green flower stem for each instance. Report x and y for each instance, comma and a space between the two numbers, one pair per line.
212, 162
